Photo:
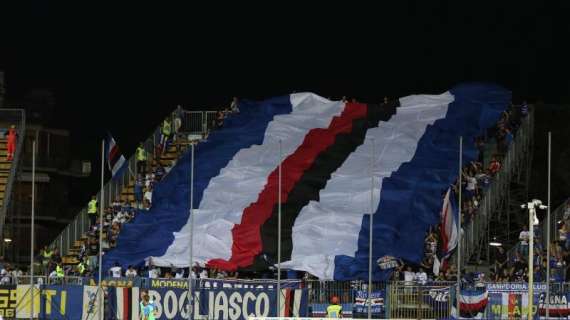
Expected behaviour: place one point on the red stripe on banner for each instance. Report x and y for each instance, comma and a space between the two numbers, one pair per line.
287, 302
113, 155
444, 237
473, 307
247, 235
126, 303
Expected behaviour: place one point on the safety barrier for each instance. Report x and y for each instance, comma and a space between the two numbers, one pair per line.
216, 299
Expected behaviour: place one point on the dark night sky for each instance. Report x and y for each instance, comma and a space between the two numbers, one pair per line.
122, 69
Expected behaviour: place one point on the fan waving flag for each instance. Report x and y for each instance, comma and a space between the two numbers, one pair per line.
115, 159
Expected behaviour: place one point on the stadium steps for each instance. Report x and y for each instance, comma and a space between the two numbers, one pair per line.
5, 167
174, 151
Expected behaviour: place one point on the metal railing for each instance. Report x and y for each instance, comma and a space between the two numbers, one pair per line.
475, 232
16, 117
193, 124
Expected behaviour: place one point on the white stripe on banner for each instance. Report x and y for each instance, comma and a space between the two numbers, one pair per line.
331, 226
297, 302
135, 302
120, 302
241, 181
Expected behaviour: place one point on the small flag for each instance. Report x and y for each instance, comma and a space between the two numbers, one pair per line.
449, 222
115, 159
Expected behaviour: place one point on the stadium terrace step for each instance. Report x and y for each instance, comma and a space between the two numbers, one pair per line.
69, 260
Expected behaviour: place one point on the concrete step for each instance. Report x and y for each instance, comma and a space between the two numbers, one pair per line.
127, 198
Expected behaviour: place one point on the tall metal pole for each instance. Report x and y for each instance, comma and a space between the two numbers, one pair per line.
459, 234
101, 208
371, 233
191, 241
279, 232
531, 212
32, 240
548, 231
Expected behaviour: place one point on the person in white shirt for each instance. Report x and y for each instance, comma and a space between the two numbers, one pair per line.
523, 238
421, 277
409, 276
5, 277
204, 273
179, 273
148, 197
131, 272
116, 271
154, 272
234, 105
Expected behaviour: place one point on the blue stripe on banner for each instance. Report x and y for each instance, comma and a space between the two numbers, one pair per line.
413, 193
151, 232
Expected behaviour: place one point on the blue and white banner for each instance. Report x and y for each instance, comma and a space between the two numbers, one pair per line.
376, 302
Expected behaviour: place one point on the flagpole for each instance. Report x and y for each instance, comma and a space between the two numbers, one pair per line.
459, 235
548, 230
279, 233
101, 205
370, 241
32, 240
191, 241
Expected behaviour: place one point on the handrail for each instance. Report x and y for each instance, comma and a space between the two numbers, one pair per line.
193, 122
13, 170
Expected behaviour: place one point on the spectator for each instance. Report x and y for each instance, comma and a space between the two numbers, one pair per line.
177, 122
166, 133
494, 166
204, 273
421, 277
11, 142
142, 158
5, 276
116, 271
523, 238
159, 172
92, 210
234, 105
219, 119
153, 272
179, 274
409, 276
148, 198
500, 260
131, 272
